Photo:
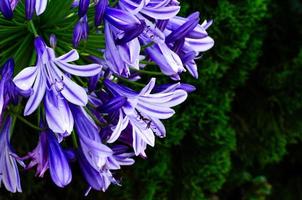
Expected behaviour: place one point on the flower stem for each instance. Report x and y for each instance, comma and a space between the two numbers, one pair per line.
14, 119
32, 27
131, 82
74, 139
147, 72
28, 123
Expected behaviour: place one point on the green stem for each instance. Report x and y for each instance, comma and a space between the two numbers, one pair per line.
74, 139
14, 119
32, 27
131, 82
147, 72
94, 118
28, 123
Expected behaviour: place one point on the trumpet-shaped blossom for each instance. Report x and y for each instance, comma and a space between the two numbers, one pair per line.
143, 111
47, 77
128, 54
120, 157
80, 31
92, 147
100, 9
9, 173
83, 7
97, 179
31, 6
8, 90
155, 9
7, 7
49, 155
101, 179
53, 41
188, 39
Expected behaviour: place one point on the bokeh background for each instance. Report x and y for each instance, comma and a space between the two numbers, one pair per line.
239, 136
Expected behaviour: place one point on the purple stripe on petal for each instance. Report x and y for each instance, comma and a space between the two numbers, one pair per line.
80, 70
58, 114
38, 94
121, 19
69, 57
156, 111
113, 105
58, 165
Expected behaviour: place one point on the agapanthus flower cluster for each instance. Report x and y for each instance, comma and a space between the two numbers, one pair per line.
99, 103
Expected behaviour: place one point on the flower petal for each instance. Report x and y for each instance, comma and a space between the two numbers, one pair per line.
71, 56
58, 165
58, 114
25, 79
155, 111
121, 125
148, 88
40, 6
161, 13
38, 94
72, 92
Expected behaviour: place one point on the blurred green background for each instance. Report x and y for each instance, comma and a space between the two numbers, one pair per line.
239, 135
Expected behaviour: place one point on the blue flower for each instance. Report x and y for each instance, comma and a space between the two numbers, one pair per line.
164, 9
9, 173
97, 179
80, 31
46, 77
83, 7
91, 144
100, 9
34, 5
143, 111
193, 36
8, 90
6, 8
49, 155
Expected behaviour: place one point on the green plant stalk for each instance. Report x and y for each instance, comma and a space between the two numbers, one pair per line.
32, 27
74, 139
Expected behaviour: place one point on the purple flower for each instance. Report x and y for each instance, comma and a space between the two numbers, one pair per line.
121, 157
47, 77
8, 90
121, 19
9, 173
168, 61
53, 41
120, 57
182, 86
39, 156
29, 8
34, 5
97, 179
152, 8
80, 31
101, 179
58, 164
193, 41
183, 30
83, 7
49, 155
100, 9
143, 111
7, 7
92, 147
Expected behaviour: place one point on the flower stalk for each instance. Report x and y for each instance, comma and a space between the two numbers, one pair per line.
33, 28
